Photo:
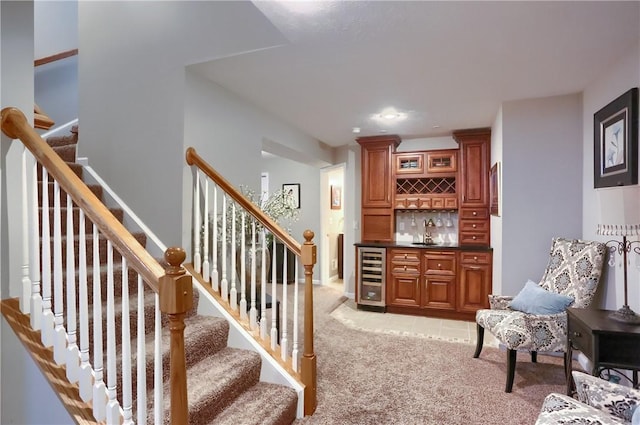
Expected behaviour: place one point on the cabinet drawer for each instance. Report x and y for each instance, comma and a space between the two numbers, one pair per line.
474, 213
474, 225
405, 270
440, 264
474, 238
405, 257
580, 336
447, 203
475, 258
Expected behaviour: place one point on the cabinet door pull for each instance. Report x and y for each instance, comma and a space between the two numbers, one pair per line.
474, 226
474, 213
405, 268
475, 258
577, 334
474, 268
474, 238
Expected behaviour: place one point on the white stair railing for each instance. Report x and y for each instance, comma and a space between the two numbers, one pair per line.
63, 276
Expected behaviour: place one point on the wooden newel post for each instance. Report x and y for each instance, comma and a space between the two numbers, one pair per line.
176, 298
308, 363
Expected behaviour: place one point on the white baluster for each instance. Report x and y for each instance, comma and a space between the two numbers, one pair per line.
224, 284
25, 298
73, 354
263, 287
99, 388
295, 356
113, 408
206, 270
214, 266
34, 253
60, 337
85, 377
47, 314
126, 348
253, 313
141, 357
197, 262
284, 337
274, 293
233, 295
157, 366
243, 269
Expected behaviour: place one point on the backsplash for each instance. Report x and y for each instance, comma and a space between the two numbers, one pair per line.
410, 226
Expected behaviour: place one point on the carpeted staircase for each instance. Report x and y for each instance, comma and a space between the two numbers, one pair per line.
223, 382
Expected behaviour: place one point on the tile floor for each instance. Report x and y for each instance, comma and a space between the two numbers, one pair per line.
418, 326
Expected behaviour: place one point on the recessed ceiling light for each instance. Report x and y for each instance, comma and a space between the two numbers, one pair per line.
383, 131
389, 115
435, 126
356, 130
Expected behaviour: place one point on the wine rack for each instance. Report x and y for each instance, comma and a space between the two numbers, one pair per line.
371, 277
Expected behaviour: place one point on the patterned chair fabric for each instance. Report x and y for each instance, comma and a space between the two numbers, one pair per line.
599, 402
574, 269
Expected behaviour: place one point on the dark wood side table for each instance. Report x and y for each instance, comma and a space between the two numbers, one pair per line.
608, 344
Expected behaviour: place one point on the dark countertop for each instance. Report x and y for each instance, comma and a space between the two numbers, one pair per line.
438, 246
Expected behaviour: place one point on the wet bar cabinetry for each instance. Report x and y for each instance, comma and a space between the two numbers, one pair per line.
449, 281
377, 215
425, 180
474, 223
403, 277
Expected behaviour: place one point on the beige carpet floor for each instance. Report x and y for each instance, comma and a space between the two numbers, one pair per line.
377, 378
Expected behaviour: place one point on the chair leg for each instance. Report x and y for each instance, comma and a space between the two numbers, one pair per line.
534, 357
479, 341
511, 369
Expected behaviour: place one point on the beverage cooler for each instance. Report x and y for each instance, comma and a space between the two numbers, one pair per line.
371, 278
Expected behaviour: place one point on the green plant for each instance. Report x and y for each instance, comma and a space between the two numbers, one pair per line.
279, 206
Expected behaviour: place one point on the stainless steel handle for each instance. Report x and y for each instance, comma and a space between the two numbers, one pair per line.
576, 334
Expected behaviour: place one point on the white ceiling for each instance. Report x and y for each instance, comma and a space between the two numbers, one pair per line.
447, 64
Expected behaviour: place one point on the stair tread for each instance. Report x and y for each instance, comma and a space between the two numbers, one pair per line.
232, 371
268, 403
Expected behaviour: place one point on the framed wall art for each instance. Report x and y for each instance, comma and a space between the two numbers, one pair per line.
494, 189
615, 144
336, 197
293, 189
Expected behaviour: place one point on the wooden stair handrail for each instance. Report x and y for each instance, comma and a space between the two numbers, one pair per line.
56, 57
193, 158
40, 119
15, 126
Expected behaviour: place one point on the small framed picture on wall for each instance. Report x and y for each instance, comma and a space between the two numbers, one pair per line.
336, 197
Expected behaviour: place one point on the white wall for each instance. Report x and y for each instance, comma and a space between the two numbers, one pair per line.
56, 89
19, 379
56, 27
542, 181
283, 171
621, 77
22, 380
496, 221
230, 134
16, 72
132, 88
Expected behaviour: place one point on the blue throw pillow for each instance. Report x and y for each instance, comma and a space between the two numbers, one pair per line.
534, 299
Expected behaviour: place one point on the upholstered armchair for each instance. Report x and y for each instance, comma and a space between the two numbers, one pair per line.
538, 323
598, 402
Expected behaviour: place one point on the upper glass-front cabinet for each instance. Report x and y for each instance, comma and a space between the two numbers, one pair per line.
409, 163
441, 161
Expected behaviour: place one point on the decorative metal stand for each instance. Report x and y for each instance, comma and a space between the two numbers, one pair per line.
624, 314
